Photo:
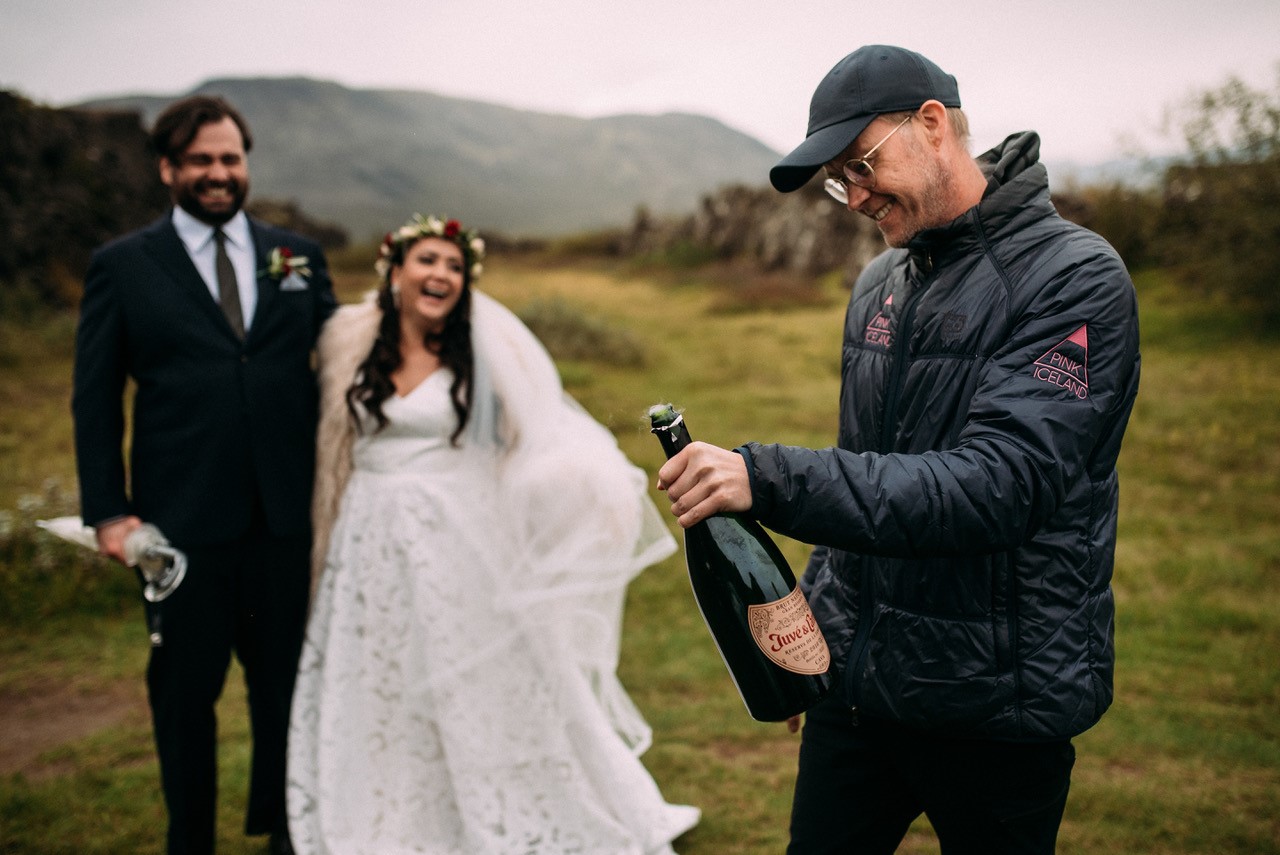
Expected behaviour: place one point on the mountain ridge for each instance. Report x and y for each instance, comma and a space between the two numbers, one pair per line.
368, 158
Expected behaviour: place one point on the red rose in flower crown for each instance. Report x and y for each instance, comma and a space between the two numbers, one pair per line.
471, 244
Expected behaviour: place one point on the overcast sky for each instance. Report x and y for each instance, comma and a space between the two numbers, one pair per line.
1094, 77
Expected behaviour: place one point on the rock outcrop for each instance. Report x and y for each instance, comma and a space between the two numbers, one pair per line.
72, 179
69, 180
804, 233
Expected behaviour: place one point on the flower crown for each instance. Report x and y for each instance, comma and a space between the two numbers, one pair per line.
469, 241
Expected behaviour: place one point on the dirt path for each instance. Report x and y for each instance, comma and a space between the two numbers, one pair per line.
50, 714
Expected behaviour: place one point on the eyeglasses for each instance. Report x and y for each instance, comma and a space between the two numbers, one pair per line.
858, 171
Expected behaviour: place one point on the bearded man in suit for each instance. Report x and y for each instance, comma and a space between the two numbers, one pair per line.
213, 316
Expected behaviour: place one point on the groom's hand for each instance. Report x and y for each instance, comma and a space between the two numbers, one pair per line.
112, 534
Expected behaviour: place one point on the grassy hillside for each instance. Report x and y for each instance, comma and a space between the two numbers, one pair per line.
1187, 760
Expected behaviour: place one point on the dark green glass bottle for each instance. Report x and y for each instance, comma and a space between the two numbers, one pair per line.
749, 599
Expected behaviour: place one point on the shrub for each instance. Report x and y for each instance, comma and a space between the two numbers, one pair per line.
1220, 223
569, 333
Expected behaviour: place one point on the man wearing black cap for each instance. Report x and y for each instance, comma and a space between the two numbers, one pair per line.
965, 524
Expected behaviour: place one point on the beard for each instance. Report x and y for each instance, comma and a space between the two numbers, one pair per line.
188, 196
932, 206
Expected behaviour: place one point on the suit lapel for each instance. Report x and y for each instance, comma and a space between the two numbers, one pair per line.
268, 290
165, 247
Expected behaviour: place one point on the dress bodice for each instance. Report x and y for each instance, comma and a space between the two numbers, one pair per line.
416, 437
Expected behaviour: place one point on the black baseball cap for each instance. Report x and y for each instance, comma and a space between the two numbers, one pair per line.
872, 80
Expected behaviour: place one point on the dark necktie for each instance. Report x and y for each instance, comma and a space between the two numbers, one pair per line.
228, 291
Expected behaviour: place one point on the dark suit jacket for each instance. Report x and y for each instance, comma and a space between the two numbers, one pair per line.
216, 421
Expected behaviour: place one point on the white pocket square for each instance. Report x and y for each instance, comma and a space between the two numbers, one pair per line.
293, 282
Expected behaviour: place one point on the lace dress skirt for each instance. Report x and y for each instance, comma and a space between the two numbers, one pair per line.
428, 718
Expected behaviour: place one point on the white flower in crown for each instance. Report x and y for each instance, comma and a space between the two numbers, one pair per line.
471, 244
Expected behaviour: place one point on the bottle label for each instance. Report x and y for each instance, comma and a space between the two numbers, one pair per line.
787, 633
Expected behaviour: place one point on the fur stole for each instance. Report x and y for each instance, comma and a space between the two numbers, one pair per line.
345, 341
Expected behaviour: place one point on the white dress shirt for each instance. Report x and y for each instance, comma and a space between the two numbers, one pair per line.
197, 237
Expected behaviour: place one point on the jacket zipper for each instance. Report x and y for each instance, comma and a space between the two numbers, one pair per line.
896, 377
890, 420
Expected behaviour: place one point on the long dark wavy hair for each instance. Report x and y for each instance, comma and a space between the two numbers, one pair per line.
452, 344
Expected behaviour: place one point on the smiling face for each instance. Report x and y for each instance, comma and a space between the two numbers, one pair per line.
210, 178
913, 187
430, 279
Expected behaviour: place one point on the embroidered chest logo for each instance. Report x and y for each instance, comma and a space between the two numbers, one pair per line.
1066, 364
953, 324
878, 332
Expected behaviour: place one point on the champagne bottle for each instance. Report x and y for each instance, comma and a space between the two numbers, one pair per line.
162, 566
749, 599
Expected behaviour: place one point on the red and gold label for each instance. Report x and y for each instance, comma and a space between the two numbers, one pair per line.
787, 633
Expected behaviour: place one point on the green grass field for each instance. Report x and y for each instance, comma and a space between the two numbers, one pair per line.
1186, 761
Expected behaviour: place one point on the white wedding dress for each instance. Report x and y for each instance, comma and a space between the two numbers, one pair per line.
456, 693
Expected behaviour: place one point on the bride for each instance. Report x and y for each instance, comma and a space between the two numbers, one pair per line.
475, 533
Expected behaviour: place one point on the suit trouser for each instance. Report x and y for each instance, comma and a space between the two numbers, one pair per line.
249, 597
860, 786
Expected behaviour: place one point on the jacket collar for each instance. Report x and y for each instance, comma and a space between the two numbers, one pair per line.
1017, 193
195, 234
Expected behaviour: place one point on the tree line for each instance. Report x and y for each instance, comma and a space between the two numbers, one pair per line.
1213, 216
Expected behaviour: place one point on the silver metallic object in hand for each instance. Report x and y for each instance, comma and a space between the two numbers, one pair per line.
162, 566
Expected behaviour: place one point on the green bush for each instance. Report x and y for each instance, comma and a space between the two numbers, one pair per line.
606, 243
1128, 217
1220, 217
569, 333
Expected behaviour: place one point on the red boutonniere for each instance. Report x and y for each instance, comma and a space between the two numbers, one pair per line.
282, 263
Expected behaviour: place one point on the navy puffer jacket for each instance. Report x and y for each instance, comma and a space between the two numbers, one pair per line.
966, 524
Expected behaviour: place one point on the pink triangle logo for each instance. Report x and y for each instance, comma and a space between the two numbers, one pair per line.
880, 331
1066, 364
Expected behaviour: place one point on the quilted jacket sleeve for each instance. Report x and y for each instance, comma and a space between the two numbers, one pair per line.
1037, 424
